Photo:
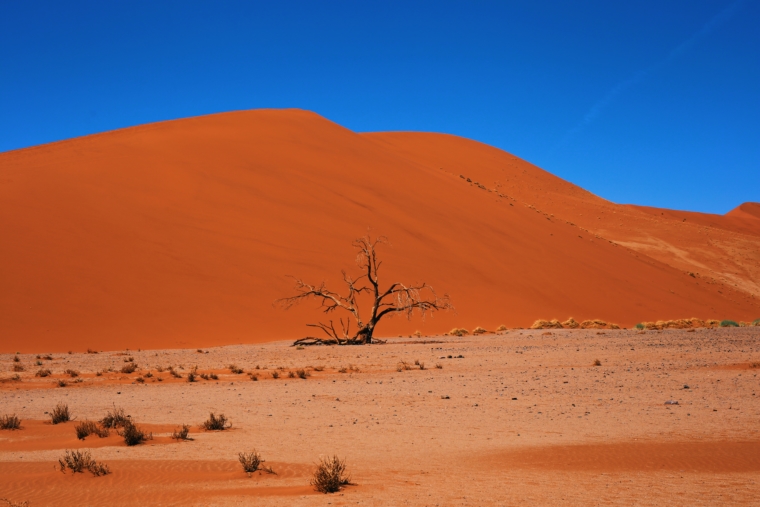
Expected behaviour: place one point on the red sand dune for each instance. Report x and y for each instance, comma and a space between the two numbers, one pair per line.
181, 234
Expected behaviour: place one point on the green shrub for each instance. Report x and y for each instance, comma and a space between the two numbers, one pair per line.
756, 322
640, 326
728, 323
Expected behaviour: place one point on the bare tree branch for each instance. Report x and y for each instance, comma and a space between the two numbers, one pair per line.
397, 298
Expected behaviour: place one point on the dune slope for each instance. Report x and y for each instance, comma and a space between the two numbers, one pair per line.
181, 233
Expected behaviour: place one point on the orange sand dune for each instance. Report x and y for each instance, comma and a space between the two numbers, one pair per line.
181, 233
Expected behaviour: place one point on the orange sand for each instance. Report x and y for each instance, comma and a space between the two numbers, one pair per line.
181, 234
522, 418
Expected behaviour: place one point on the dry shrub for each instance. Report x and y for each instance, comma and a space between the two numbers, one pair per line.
479, 330
330, 475
61, 383
291, 374
191, 377
48, 357
116, 419
174, 373
71, 373
421, 365
133, 435
216, 423
10, 422
302, 374
182, 433
570, 323
754, 364
756, 322
597, 362
547, 324
252, 462
129, 368
16, 359
60, 414
79, 461
501, 328
43, 373
438, 366
459, 331
234, 369
403, 366
87, 428
18, 367
91, 351
319, 368
14, 504
275, 374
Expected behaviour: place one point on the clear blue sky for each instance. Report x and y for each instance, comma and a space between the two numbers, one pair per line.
647, 102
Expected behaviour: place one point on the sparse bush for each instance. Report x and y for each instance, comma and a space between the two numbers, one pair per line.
140, 380
129, 359
252, 462
754, 364
421, 365
47, 358
330, 475
14, 504
149, 375
16, 377
291, 374
343, 369
71, 373
129, 368
640, 326
597, 362
10, 422
403, 365
16, 359
438, 366
728, 323
61, 383
254, 377
319, 368
43, 373
234, 369
116, 419
191, 377
18, 367
275, 374
479, 330
458, 331
174, 373
38, 363
216, 423
302, 373
199, 351
79, 461
60, 414
133, 435
182, 433
501, 328
87, 428
90, 351
756, 322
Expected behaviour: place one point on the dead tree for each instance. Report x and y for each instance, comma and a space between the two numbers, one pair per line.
397, 298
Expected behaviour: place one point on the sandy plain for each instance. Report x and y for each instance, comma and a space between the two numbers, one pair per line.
523, 417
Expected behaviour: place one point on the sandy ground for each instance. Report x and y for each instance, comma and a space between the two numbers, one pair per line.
522, 418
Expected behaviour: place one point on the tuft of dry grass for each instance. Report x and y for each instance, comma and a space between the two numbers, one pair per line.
191, 377
61, 383
234, 369
216, 423
597, 362
302, 374
87, 428
252, 462
403, 365
182, 433
43, 373
116, 419
133, 435
71, 373
291, 374
60, 414
174, 373
129, 368
438, 366
330, 475
275, 374
10, 422
79, 461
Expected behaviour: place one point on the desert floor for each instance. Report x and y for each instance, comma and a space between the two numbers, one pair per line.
522, 417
